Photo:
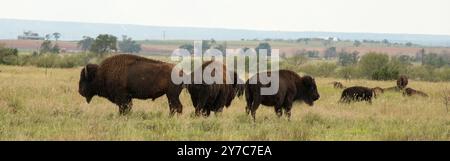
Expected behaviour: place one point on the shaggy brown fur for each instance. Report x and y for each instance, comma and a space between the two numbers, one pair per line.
357, 93
413, 92
402, 82
292, 87
213, 97
122, 77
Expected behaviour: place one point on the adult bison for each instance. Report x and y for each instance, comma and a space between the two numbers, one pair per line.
214, 97
357, 93
412, 92
402, 82
121, 78
291, 87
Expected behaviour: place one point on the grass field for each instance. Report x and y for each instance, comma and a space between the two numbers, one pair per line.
40, 104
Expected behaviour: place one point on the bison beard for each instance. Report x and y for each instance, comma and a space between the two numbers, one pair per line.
121, 78
357, 93
292, 87
213, 97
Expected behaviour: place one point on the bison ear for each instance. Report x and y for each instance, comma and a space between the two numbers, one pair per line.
90, 71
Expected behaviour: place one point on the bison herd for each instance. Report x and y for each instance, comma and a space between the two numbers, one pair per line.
122, 77
359, 93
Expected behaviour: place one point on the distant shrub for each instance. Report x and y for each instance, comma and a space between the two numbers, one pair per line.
322, 69
8, 56
385, 73
348, 72
373, 62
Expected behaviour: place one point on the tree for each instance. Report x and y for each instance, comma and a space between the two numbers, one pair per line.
55, 49
46, 47
262, 46
188, 47
330, 53
372, 62
357, 43
435, 60
128, 45
103, 44
205, 45
386, 42
8, 56
86, 43
346, 59
420, 54
408, 44
47, 36
56, 35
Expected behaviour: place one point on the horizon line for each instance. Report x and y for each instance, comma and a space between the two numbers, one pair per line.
225, 28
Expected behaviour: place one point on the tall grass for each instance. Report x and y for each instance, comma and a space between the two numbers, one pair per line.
39, 106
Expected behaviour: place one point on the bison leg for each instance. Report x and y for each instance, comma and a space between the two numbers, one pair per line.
125, 109
254, 107
197, 111
287, 111
278, 111
174, 104
206, 113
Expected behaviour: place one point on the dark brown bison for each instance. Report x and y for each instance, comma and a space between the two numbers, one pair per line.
121, 78
413, 92
357, 93
338, 85
402, 82
292, 87
214, 97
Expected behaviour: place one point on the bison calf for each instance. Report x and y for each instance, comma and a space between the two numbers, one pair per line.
357, 93
292, 87
412, 92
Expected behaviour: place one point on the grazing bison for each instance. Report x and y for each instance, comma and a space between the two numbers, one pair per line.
338, 85
121, 78
213, 97
402, 82
412, 92
292, 87
357, 93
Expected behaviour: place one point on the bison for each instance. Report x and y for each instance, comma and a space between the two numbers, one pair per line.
122, 77
412, 92
402, 82
292, 87
213, 97
357, 93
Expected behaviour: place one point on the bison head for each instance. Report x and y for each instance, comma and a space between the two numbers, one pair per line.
307, 90
86, 81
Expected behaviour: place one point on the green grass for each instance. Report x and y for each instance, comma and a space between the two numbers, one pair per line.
40, 105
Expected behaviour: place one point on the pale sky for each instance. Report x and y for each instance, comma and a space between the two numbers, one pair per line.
376, 16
